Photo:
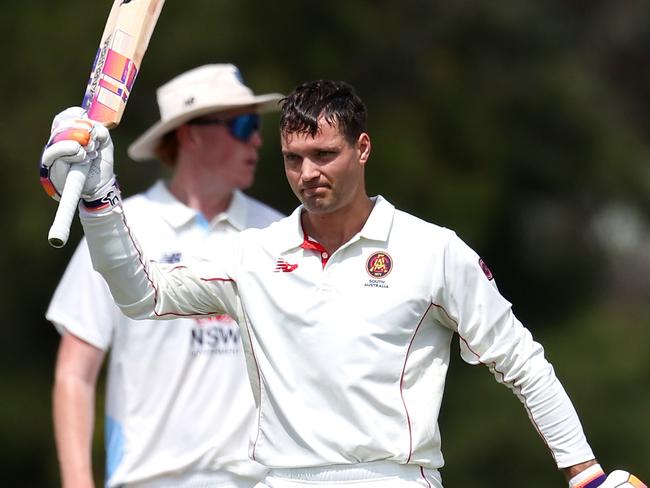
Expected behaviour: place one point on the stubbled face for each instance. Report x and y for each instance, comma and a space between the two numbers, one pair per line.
223, 157
325, 172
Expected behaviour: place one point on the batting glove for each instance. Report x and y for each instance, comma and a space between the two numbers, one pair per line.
75, 139
622, 479
594, 477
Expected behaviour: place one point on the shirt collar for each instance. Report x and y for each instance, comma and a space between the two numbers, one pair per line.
236, 213
376, 228
380, 220
178, 214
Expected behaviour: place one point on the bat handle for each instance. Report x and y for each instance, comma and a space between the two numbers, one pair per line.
74, 183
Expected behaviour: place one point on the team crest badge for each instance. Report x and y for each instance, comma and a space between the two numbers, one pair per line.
485, 269
379, 265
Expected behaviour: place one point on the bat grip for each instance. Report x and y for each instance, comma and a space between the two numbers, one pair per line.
74, 183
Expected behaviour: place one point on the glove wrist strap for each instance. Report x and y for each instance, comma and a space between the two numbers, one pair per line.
591, 477
109, 198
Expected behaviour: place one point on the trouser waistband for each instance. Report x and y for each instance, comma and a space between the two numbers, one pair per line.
351, 472
194, 480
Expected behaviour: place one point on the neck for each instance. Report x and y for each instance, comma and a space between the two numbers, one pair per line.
205, 195
334, 229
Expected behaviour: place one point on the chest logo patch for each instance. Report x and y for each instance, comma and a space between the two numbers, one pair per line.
379, 264
171, 257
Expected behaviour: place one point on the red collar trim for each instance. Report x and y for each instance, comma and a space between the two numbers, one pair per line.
307, 243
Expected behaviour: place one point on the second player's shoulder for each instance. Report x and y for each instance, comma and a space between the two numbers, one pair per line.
258, 214
277, 237
155, 194
274, 230
151, 207
137, 204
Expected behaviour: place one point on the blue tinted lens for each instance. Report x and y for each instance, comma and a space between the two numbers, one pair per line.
242, 127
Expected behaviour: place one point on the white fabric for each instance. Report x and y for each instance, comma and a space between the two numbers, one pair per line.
202, 479
347, 367
378, 474
178, 399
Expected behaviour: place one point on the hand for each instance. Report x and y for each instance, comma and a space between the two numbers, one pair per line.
622, 479
75, 139
594, 476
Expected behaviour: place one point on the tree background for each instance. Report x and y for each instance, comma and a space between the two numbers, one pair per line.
522, 125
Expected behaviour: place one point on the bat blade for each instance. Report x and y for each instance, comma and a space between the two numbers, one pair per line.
124, 41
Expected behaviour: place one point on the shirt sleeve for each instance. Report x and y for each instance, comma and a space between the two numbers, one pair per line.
144, 289
491, 335
82, 303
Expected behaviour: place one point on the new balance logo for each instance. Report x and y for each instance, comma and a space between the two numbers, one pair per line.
281, 266
172, 257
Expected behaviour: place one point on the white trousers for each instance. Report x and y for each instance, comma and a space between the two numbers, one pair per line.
364, 475
219, 479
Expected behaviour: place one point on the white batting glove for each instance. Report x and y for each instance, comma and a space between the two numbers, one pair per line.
75, 139
594, 477
622, 479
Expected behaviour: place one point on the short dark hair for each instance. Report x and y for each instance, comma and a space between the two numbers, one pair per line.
336, 101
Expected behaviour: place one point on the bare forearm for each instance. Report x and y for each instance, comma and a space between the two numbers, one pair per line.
77, 367
74, 405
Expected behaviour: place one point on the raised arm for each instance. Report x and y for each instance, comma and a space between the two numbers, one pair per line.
140, 287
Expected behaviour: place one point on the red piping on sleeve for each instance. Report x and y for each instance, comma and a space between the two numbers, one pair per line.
155, 295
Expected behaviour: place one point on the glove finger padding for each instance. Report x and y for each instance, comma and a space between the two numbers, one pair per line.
75, 139
65, 147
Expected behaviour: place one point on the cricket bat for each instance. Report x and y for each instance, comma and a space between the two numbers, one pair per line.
124, 41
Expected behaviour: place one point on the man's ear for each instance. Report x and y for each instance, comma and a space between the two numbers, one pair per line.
185, 135
364, 146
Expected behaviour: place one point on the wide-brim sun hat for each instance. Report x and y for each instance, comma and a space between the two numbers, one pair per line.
200, 91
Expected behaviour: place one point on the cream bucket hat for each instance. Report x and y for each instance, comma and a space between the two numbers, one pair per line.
206, 89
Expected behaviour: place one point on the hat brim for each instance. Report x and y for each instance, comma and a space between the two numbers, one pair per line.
144, 147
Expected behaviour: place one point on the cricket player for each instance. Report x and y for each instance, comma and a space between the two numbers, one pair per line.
347, 309
178, 404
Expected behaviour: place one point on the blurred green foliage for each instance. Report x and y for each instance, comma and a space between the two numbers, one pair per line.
522, 125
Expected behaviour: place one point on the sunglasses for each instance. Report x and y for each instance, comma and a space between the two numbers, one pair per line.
241, 127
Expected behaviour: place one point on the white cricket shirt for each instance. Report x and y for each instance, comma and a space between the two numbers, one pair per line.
348, 353
177, 399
